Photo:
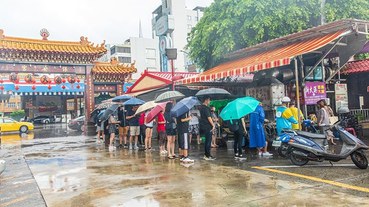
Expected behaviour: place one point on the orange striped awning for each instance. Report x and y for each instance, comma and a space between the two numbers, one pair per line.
269, 59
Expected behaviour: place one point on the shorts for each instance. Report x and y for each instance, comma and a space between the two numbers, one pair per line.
194, 129
123, 130
134, 130
183, 141
112, 128
171, 132
162, 137
98, 128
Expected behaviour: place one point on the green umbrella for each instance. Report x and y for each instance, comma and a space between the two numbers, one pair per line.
239, 108
218, 104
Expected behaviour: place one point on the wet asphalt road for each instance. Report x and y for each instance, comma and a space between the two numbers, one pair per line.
57, 167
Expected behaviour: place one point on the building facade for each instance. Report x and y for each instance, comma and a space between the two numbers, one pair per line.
172, 22
144, 52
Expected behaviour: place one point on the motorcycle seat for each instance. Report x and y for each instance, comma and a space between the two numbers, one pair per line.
311, 135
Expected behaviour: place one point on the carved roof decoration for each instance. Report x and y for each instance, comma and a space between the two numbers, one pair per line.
113, 71
44, 50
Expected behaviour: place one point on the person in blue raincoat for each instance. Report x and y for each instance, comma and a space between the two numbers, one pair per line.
256, 132
284, 116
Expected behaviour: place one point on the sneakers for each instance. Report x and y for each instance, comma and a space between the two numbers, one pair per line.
241, 157
209, 158
162, 153
111, 148
130, 147
181, 159
136, 147
267, 154
187, 160
125, 146
236, 156
260, 154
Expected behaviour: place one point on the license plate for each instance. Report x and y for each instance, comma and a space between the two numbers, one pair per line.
276, 143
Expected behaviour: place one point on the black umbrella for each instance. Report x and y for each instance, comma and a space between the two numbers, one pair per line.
214, 93
109, 111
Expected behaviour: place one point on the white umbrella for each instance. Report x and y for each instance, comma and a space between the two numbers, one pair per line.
146, 106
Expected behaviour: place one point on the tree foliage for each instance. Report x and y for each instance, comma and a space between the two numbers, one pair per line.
229, 25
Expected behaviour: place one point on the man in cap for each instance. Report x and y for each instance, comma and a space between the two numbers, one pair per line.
284, 116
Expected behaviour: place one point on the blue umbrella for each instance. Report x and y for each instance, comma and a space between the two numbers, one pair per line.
133, 102
184, 106
121, 98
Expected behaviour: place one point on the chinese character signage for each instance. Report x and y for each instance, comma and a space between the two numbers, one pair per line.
341, 95
314, 91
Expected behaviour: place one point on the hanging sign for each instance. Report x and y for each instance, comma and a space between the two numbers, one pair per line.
314, 91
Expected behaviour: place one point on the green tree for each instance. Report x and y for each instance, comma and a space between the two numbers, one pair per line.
229, 25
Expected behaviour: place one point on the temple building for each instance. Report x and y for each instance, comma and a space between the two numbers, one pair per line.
58, 77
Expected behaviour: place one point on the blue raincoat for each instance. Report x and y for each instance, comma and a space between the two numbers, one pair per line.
284, 119
256, 131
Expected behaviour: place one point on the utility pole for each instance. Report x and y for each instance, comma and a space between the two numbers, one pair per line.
322, 12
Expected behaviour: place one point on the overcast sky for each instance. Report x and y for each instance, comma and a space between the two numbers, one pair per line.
110, 20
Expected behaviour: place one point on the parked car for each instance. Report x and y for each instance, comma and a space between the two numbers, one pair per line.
77, 123
43, 120
9, 125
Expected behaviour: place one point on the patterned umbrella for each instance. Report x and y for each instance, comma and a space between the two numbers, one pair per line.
169, 95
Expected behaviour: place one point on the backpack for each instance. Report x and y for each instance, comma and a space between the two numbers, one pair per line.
233, 125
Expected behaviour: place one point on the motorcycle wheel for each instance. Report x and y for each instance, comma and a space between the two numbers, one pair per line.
299, 161
283, 150
360, 160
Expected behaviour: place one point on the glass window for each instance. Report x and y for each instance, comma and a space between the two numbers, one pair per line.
112, 50
9, 121
124, 49
150, 62
125, 59
189, 18
150, 52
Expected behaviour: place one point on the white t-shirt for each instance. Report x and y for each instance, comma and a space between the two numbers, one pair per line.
195, 117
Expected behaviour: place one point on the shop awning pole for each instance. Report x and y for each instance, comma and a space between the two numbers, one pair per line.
297, 92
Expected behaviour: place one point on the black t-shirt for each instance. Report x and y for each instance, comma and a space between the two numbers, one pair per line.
204, 124
122, 118
182, 127
133, 121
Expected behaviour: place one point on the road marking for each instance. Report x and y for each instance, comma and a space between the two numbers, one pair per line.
308, 166
330, 182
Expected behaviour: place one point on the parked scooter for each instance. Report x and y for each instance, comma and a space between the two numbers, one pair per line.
303, 149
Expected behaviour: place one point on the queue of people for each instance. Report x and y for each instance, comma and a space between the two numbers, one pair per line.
201, 121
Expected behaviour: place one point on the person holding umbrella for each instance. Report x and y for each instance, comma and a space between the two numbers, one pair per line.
134, 127
112, 129
170, 127
207, 126
180, 110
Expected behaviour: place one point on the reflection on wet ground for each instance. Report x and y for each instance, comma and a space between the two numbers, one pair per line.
75, 171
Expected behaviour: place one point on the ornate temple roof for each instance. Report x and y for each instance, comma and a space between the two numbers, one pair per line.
112, 71
44, 50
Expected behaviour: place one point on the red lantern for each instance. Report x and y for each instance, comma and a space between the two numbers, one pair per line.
33, 87
63, 86
29, 78
63, 80
16, 87
58, 80
49, 87
44, 79
14, 78
71, 79
78, 86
